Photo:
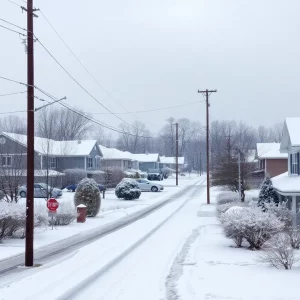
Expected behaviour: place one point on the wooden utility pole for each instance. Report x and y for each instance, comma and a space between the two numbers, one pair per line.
177, 153
30, 138
207, 93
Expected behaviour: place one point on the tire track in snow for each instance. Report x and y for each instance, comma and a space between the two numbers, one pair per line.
177, 267
54, 251
88, 281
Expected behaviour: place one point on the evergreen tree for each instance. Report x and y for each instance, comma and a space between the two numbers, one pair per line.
267, 193
88, 193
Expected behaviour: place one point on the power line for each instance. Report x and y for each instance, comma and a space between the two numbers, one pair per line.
12, 112
84, 67
12, 30
91, 119
17, 26
13, 3
10, 94
155, 109
72, 109
80, 85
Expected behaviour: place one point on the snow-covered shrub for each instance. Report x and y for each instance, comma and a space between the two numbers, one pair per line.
267, 193
128, 189
227, 197
281, 212
88, 193
66, 214
252, 224
278, 252
224, 207
13, 219
294, 234
112, 176
231, 224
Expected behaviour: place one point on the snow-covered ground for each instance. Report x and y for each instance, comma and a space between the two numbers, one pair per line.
178, 252
112, 209
215, 269
131, 263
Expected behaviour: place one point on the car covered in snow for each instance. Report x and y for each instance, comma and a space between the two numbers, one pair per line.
148, 186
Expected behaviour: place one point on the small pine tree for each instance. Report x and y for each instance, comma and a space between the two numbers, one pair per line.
88, 193
267, 193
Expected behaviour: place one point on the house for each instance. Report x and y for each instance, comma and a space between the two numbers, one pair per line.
115, 158
287, 184
147, 161
49, 154
270, 160
170, 162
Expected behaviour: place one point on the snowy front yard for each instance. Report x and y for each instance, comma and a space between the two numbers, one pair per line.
112, 209
215, 269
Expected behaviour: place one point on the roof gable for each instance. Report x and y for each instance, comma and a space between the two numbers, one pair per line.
291, 135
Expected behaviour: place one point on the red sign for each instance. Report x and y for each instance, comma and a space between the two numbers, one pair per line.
52, 204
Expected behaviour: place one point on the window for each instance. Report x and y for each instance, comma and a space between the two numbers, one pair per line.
52, 162
6, 161
90, 162
294, 163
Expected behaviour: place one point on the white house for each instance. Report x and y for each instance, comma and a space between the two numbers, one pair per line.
287, 184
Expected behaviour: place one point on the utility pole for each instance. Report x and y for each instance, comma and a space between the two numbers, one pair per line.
239, 163
207, 93
176, 153
200, 165
30, 137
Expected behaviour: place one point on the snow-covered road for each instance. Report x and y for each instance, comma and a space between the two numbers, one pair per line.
131, 263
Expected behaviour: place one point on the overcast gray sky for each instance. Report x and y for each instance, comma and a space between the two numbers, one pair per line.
155, 54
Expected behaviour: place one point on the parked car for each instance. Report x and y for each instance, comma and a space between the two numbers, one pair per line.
155, 174
41, 190
147, 186
73, 187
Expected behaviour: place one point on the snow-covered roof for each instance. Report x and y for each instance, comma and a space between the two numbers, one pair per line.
286, 184
269, 151
290, 136
23, 172
171, 160
113, 153
151, 157
293, 125
56, 148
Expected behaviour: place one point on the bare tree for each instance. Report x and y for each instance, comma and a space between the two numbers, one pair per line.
135, 138
65, 124
13, 124
13, 168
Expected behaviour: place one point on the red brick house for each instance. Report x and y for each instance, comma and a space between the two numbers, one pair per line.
270, 160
